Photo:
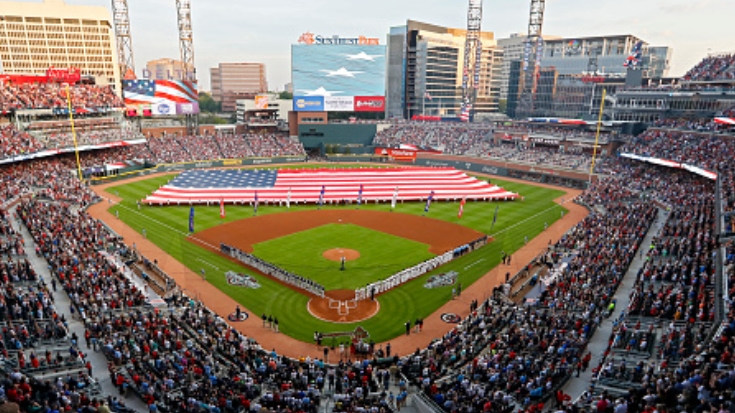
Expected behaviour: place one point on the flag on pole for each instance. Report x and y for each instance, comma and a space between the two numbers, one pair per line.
359, 196
222, 214
495, 217
255, 205
288, 198
428, 201
321, 197
461, 208
191, 219
395, 198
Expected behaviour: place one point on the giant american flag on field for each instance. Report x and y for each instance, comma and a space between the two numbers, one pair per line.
309, 185
141, 92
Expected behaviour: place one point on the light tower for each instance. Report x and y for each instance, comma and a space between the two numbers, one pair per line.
121, 19
472, 60
532, 55
186, 50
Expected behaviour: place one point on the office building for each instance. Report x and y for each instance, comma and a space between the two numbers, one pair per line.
424, 71
37, 36
233, 81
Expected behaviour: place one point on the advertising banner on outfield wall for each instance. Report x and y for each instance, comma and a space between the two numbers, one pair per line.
402, 155
339, 103
308, 103
369, 103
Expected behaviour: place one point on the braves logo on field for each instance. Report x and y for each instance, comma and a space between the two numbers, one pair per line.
233, 316
242, 280
451, 318
441, 280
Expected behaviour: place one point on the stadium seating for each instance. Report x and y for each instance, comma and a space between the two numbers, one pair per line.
502, 357
84, 98
713, 68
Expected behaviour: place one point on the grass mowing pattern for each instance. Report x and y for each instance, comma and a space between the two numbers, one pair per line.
381, 254
167, 227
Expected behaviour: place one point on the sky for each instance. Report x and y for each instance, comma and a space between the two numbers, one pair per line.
263, 31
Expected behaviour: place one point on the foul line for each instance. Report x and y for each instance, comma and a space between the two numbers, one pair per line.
187, 235
208, 263
474, 263
527, 219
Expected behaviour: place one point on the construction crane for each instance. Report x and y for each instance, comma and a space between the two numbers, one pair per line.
186, 50
532, 55
121, 19
472, 60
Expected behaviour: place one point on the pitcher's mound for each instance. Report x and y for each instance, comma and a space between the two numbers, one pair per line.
340, 306
336, 254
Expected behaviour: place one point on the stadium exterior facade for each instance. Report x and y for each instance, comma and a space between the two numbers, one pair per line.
424, 71
37, 36
574, 72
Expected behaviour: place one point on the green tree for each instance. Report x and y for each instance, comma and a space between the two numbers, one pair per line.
285, 95
502, 105
207, 104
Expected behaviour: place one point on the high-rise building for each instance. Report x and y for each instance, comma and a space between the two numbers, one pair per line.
601, 54
166, 69
232, 81
424, 71
513, 48
37, 36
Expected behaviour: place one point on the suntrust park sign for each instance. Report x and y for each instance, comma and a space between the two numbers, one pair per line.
311, 38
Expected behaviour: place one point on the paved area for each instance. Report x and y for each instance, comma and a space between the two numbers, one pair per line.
598, 344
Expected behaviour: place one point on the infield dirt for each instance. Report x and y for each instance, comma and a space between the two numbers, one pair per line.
441, 236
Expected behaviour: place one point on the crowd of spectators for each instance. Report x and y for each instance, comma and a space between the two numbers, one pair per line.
502, 357
53, 96
541, 155
15, 143
712, 68
268, 145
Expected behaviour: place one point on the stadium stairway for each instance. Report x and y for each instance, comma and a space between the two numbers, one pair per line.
74, 325
598, 344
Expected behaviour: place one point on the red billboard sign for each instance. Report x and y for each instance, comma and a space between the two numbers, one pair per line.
403, 155
70, 75
369, 104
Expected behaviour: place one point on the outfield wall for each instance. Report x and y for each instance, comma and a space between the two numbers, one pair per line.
185, 166
531, 173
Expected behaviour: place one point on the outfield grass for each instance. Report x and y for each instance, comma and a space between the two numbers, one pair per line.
381, 254
167, 227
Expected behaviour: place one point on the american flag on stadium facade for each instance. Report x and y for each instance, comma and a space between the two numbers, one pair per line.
309, 185
140, 92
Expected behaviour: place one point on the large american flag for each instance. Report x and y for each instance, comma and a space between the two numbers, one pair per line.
305, 185
140, 92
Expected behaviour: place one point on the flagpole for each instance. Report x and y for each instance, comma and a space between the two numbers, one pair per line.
597, 134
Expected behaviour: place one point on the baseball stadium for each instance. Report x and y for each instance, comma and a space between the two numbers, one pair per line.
425, 219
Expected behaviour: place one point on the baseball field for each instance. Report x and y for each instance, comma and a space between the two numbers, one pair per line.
385, 242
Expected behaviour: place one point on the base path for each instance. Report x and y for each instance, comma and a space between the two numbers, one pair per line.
336, 254
219, 302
